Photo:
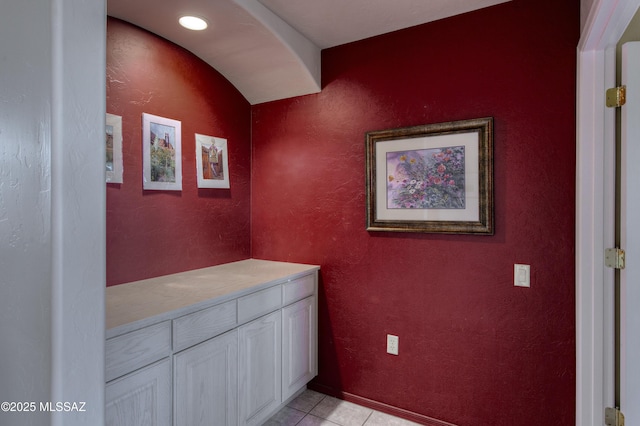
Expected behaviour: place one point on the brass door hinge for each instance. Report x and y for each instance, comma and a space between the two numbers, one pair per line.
616, 97
613, 417
614, 258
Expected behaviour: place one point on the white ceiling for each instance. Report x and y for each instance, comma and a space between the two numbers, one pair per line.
270, 49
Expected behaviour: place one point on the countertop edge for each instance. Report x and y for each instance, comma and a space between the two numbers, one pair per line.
170, 314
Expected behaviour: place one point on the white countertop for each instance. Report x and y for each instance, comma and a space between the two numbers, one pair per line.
141, 303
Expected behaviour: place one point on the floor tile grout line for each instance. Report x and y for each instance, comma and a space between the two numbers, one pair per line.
317, 403
301, 419
308, 413
311, 409
368, 417
317, 417
300, 411
295, 409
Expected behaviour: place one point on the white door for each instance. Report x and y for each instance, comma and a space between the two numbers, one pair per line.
299, 353
141, 398
260, 374
206, 383
630, 237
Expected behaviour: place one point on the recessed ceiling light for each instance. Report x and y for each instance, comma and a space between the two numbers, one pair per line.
193, 23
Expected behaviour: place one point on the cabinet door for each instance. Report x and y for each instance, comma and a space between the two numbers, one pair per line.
299, 342
206, 383
141, 398
260, 368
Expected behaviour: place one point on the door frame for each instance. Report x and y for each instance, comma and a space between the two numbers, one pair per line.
595, 214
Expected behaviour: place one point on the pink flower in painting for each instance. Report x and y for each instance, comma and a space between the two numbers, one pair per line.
427, 179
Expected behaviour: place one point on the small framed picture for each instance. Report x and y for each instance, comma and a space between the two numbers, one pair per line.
161, 153
212, 162
113, 164
432, 178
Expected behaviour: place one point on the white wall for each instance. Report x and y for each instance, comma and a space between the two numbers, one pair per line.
25, 205
52, 255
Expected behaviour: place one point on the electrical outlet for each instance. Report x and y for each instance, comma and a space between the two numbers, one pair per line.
392, 344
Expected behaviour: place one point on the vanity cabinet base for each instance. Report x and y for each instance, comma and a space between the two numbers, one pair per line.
231, 360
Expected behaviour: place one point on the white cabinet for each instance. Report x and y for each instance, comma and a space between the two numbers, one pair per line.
299, 346
206, 383
260, 368
222, 346
138, 370
141, 398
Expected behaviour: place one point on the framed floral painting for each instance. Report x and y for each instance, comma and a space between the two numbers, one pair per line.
431, 178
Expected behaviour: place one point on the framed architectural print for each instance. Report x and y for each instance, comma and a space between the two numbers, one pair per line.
212, 162
161, 153
431, 178
113, 164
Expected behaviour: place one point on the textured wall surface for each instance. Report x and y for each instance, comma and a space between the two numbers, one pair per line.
474, 349
52, 101
152, 233
25, 211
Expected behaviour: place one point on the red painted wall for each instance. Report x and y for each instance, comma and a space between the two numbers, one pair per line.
474, 350
152, 233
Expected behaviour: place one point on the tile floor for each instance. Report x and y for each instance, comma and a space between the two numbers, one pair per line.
315, 409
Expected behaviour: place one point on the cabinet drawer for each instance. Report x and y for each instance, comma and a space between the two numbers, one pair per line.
137, 349
202, 325
259, 303
299, 288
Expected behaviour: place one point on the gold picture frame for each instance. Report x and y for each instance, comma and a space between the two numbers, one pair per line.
434, 178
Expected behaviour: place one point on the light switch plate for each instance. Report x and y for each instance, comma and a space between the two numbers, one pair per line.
521, 275
392, 344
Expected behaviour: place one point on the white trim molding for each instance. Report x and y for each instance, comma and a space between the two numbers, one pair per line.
595, 215
78, 209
